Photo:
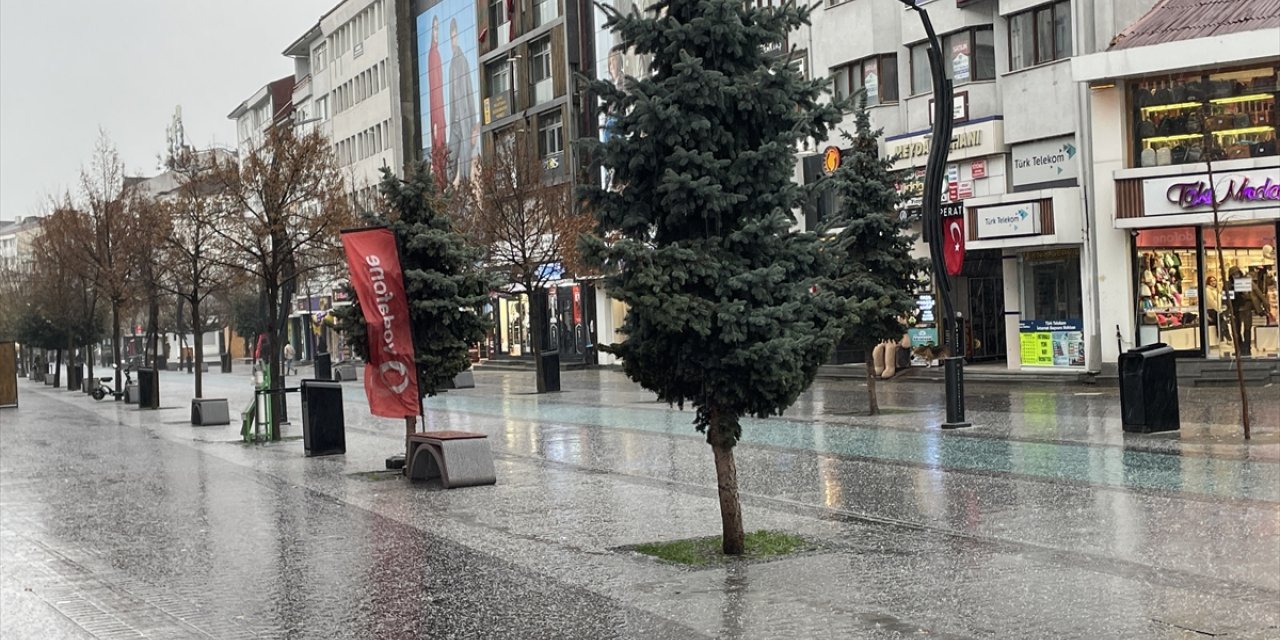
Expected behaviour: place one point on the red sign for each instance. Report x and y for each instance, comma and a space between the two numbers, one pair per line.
978, 168
965, 190
953, 243
953, 191
390, 377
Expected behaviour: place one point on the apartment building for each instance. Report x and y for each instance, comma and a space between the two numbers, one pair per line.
346, 72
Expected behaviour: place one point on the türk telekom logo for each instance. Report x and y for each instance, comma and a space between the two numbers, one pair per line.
394, 374
1190, 195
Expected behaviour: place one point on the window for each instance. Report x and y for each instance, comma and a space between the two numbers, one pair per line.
540, 70
877, 75
970, 56
318, 58
322, 108
545, 11
498, 78
498, 22
1040, 35
550, 134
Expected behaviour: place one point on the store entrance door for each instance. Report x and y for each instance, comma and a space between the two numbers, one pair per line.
986, 318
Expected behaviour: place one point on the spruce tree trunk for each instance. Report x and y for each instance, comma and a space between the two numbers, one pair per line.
57, 370
726, 487
873, 407
274, 335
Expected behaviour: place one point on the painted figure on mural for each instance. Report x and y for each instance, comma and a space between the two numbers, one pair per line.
463, 124
435, 84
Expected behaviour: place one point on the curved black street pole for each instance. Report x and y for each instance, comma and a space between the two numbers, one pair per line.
935, 169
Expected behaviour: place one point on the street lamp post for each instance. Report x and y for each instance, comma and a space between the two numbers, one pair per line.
939, 146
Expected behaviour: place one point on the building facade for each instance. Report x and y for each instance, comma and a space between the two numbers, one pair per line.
1178, 118
1015, 195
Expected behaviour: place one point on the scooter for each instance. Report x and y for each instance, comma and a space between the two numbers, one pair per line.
104, 385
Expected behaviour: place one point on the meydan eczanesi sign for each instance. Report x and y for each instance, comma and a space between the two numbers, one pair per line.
1233, 191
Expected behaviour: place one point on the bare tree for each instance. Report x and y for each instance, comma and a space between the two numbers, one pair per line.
98, 240
195, 267
519, 209
286, 207
62, 290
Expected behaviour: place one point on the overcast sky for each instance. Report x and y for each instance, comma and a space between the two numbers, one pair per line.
70, 67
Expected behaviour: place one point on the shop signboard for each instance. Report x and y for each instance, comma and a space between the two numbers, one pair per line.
925, 304
1051, 160
1190, 193
978, 169
1052, 343
1008, 220
973, 140
921, 336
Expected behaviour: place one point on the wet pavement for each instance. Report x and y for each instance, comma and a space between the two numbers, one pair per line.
1044, 521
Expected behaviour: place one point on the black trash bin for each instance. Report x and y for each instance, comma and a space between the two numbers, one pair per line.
324, 366
226, 362
323, 424
550, 372
1149, 389
148, 388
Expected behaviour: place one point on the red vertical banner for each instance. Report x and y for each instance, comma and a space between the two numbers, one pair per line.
953, 238
390, 377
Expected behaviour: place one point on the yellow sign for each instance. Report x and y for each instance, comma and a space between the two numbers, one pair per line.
1037, 348
831, 159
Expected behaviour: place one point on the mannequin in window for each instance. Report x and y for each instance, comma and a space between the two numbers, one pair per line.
1213, 305
1242, 310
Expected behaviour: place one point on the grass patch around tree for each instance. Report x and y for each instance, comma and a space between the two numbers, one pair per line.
704, 552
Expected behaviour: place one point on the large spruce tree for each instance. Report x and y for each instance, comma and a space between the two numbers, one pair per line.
444, 282
723, 309
875, 272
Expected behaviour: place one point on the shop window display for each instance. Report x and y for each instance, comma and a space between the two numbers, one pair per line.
1192, 117
1051, 332
1246, 303
1168, 288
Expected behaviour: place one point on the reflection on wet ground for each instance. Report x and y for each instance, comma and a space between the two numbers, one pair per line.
1044, 521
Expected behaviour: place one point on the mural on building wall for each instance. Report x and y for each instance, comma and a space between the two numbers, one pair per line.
614, 62
449, 88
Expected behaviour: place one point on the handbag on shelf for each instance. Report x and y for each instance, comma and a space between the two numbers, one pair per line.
1164, 156
1146, 129
1194, 152
1179, 154
1148, 157
1236, 151
1242, 120
1193, 124
1163, 96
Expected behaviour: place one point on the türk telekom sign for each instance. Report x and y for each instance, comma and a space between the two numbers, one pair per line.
1233, 190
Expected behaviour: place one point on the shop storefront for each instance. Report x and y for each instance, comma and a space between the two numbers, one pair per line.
978, 169
1038, 237
1188, 299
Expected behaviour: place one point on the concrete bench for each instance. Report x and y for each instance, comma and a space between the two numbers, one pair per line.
210, 411
458, 458
344, 372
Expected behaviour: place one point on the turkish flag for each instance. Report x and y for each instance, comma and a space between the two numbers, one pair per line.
953, 244
390, 377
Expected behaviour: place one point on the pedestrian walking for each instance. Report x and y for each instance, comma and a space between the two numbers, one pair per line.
288, 358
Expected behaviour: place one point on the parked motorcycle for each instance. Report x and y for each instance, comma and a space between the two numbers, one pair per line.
104, 385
